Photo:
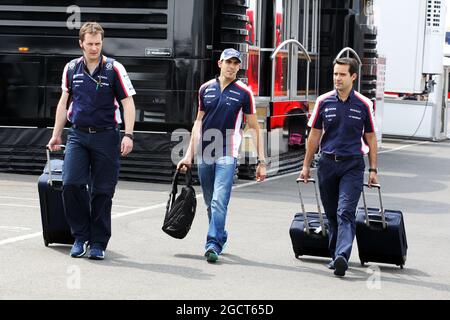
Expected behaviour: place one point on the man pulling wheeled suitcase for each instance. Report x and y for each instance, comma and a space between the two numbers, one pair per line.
54, 224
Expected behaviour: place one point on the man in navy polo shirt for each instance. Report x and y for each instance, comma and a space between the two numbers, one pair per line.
343, 124
92, 85
222, 104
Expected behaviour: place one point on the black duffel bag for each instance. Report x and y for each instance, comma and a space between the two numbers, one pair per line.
180, 211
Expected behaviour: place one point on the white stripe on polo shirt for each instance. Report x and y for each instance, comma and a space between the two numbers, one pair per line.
117, 116
369, 106
124, 79
64, 80
237, 135
69, 111
315, 113
243, 86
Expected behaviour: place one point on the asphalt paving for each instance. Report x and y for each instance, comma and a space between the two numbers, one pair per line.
144, 263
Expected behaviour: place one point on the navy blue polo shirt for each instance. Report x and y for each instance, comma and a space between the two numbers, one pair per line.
94, 97
224, 113
344, 123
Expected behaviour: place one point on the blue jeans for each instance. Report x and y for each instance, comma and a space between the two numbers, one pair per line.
217, 180
90, 159
340, 185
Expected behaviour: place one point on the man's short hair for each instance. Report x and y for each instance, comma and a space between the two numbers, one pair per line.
352, 63
91, 28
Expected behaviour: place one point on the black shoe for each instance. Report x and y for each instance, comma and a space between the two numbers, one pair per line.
340, 265
331, 265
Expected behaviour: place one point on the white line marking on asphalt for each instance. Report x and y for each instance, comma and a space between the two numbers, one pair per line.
11, 228
20, 238
268, 179
16, 198
119, 206
404, 147
128, 213
17, 205
162, 205
156, 206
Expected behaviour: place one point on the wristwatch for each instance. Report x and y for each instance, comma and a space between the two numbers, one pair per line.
373, 170
129, 135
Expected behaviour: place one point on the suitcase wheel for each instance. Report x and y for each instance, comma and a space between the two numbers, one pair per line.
362, 263
46, 243
401, 266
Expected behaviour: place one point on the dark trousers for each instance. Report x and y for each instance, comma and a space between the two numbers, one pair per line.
340, 184
90, 159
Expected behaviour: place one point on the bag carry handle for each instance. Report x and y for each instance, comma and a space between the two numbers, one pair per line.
188, 179
49, 166
381, 211
305, 216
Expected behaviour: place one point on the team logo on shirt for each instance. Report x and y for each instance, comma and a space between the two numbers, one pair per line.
71, 65
330, 115
109, 66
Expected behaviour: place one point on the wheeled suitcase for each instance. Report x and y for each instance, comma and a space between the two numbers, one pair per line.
309, 230
380, 234
54, 224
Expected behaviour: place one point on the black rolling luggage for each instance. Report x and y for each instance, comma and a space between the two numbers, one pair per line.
54, 225
309, 230
380, 234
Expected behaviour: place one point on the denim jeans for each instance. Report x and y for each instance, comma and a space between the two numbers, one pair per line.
217, 180
340, 186
90, 159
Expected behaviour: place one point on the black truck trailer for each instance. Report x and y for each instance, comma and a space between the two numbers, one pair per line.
169, 48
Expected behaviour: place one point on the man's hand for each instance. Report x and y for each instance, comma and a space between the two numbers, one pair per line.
54, 143
305, 174
260, 172
372, 178
184, 164
126, 146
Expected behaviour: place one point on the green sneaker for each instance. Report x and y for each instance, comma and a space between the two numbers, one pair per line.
211, 255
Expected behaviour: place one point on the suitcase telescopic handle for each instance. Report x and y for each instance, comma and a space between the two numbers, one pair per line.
366, 211
49, 165
305, 216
